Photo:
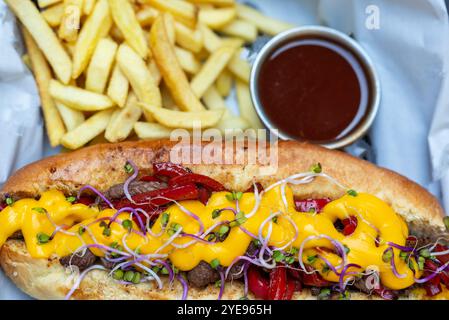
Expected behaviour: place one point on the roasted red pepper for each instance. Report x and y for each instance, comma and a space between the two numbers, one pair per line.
160, 197
311, 204
203, 195
85, 200
200, 179
169, 169
350, 225
443, 258
314, 279
258, 284
278, 284
150, 179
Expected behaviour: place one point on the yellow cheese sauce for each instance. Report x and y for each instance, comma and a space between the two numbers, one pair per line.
372, 213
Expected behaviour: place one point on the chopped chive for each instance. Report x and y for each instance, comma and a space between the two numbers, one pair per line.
216, 213
312, 259
71, 199
278, 256
290, 260
218, 284
223, 230
325, 269
316, 168
275, 219
81, 230
129, 168
210, 237
127, 224
324, 294
107, 232
347, 250
446, 222
215, 263
174, 227
39, 209
129, 276
164, 270
136, 278
164, 219
9, 201
42, 238
352, 193
421, 261
388, 254
425, 253
118, 274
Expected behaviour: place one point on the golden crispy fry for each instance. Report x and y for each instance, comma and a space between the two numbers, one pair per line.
72, 118
233, 123
146, 16
154, 70
246, 106
167, 99
224, 83
116, 34
170, 27
120, 127
125, 19
217, 18
53, 15
46, 3
151, 131
88, 6
189, 63
100, 66
211, 40
44, 37
42, 73
170, 69
118, 87
139, 76
95, 27
214, 2
182, 119
27, 61
187, 38
241, 29
79, 99
263, 23
214, 101
182, 11
211, 70
239, 67
71, 20
88, 130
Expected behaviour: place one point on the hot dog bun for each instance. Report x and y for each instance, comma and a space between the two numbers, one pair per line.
101, 166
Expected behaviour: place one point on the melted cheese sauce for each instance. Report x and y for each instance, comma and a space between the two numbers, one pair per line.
372, 213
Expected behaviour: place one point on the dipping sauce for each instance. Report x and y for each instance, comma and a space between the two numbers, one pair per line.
313, 89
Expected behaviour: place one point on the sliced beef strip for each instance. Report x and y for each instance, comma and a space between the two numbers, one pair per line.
135, 187
82, 262
202, 275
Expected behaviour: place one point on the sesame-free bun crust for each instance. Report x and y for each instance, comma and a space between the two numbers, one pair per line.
102, 167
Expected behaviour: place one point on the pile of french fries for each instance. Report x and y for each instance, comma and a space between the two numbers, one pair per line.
111, 70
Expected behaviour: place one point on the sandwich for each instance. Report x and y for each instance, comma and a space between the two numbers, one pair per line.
124, 221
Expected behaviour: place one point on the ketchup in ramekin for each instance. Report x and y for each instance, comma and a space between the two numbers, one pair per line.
315, 84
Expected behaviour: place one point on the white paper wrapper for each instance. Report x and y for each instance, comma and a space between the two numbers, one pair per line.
409, 50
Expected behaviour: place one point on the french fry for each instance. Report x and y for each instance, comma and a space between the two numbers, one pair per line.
53, 15
139, 76
246, 106
27, 61
118, 87
214, 2
187, 38
72, 118
182, 11
116, 34
146, 16
100, 66
167, 99
217, 18
79, 99
121, 126
182, 119
214, 101
71, 19
211, 70
46, 3
233, 123
263, 23
88, 130
170, 27
224, 83
125, 19
53, 122
241, 29
211, 40
239, 67
151, 131
187, 60
44, 37
170, 69
154, 70
96, 25
88, 6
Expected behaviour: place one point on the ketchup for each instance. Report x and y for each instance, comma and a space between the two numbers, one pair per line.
313, 89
